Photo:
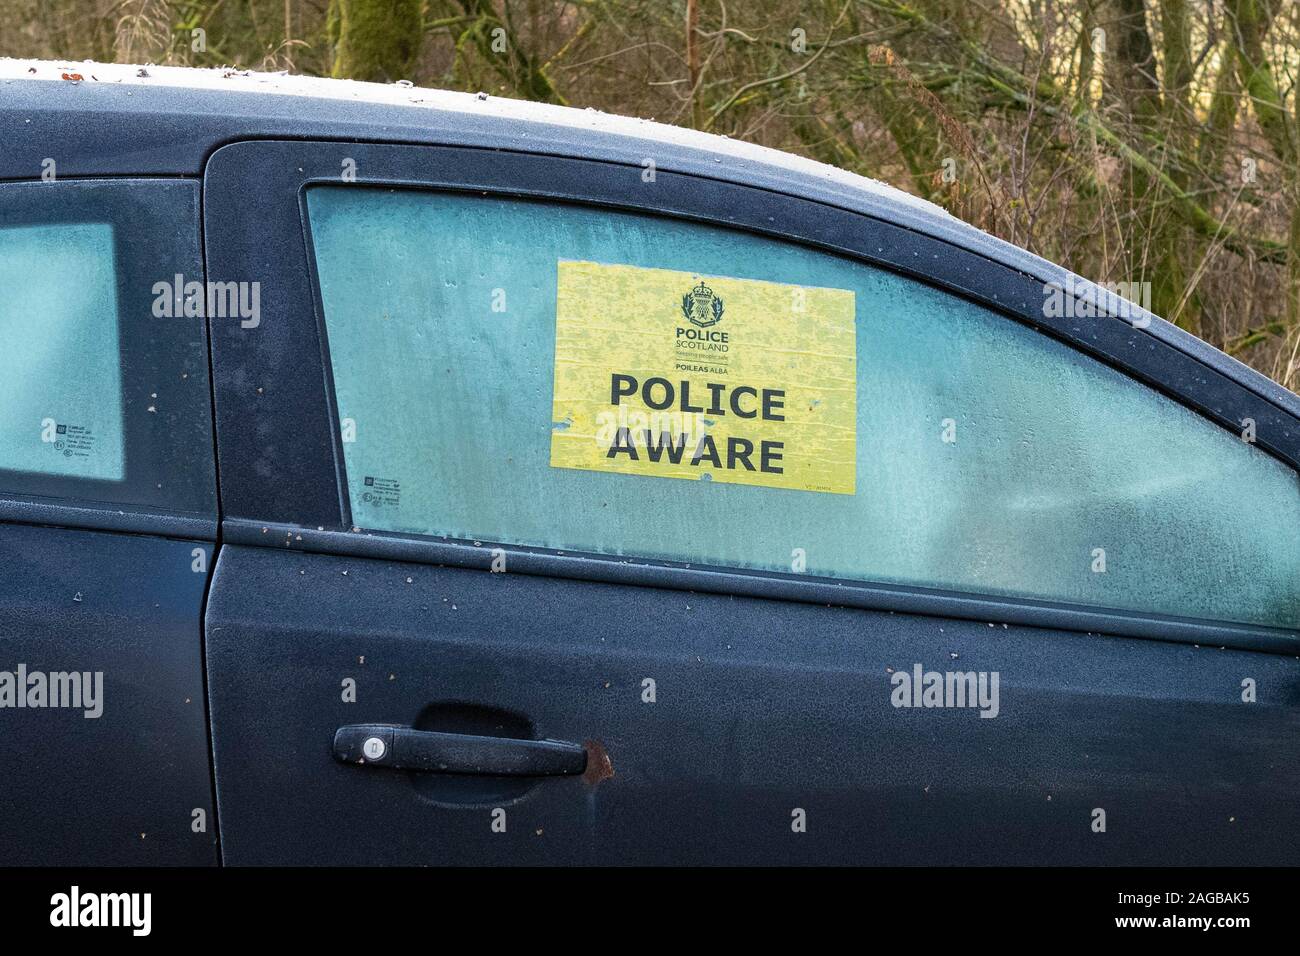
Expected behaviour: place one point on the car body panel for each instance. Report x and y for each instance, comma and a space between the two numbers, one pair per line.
120, 788
761, 707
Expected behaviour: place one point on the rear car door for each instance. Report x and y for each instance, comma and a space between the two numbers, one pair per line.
108, 522
572, 516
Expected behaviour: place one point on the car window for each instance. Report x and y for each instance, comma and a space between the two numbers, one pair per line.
550, 375
60, 382
105, 395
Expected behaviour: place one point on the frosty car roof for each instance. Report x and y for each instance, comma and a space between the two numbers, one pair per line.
123, 119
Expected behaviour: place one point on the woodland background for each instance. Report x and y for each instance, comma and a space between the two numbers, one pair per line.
1131, 140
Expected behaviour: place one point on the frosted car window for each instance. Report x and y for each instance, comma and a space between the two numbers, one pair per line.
104, 397
990, 459
60, 378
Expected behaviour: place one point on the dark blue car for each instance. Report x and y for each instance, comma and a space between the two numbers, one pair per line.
391, 476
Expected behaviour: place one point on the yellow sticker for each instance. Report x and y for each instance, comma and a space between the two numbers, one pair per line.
675, 375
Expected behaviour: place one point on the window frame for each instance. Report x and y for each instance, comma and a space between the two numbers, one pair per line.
168, 462
304, 497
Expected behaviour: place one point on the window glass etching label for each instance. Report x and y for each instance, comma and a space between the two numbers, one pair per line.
676, 375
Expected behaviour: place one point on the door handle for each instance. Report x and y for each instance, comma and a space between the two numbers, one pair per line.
427, 751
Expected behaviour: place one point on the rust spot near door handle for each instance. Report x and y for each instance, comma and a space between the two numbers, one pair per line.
599, 766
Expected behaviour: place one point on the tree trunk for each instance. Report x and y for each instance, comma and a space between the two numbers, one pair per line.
377, 40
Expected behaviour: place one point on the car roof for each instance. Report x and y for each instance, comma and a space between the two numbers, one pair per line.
98, 119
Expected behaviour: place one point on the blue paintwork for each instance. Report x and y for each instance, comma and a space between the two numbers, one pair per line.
121, 788
762, 706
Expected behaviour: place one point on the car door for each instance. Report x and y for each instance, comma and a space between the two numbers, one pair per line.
575, 517
108, 524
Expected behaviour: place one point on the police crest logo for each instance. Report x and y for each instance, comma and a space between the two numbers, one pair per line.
701, 307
